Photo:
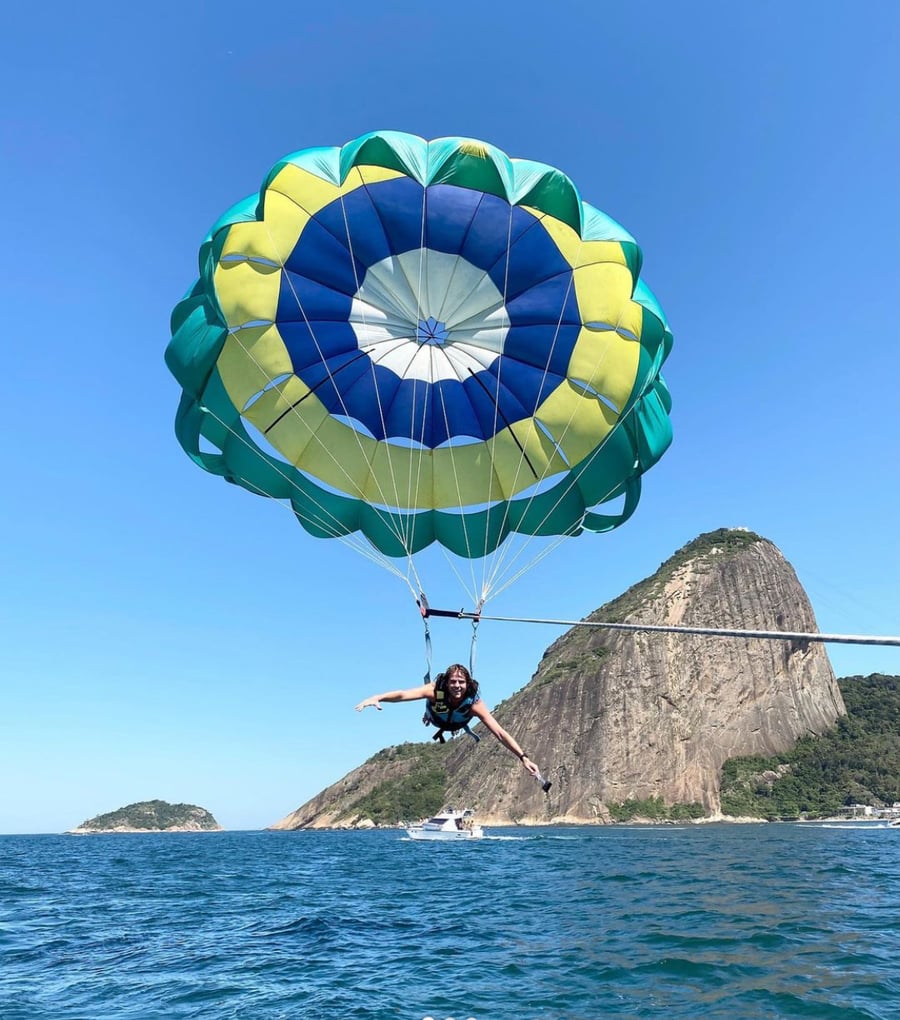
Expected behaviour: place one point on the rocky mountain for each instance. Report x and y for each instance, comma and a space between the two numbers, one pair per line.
855, 762
152, 816
623, 718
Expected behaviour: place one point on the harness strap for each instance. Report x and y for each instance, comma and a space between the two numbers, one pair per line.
425, 610
431, 718
440, 733
473, 648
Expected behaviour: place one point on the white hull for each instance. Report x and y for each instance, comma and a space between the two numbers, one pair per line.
417, 832
447, 827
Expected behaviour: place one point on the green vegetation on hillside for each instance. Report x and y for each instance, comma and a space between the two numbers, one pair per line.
415, 795
856, 762
654, 809
152, 814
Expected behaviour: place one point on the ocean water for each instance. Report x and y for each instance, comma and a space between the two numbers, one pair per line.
740, 921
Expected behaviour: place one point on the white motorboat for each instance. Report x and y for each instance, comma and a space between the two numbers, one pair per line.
895, 824
448, 825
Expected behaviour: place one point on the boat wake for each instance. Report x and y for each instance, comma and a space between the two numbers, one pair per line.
867, 827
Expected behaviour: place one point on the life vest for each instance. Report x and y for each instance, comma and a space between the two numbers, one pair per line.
447, 719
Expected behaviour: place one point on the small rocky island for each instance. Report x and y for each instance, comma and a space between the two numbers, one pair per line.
151, 816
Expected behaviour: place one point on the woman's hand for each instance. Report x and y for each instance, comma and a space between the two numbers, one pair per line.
530, 766
372, 702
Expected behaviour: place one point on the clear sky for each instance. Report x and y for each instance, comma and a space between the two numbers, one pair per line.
163, 634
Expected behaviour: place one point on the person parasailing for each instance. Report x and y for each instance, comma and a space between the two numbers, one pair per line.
452, 702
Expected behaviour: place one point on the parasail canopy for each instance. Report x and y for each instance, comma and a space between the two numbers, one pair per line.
423, 342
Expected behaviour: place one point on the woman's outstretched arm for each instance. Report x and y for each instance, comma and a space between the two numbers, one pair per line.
508, 741
410, 694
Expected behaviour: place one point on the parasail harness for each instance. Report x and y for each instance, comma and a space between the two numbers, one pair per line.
440, 714
447, 719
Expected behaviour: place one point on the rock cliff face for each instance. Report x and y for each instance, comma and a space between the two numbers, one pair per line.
618, 716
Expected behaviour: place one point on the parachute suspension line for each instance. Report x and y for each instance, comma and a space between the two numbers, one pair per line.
414, 474
286, 276
444, 310
510, 579
545, 550
566, 489
406, 523
488, 571
483, 587
594, 454
475, 588
500, 559
400, 525
361, 546
499, 562
554, 543
417, 461
470, 553
506, 422
763, 635
326, 521
310, 392
291, 410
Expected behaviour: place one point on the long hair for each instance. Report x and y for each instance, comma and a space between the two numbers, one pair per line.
471, 682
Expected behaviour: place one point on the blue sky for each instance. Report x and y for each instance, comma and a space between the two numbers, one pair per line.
165, 635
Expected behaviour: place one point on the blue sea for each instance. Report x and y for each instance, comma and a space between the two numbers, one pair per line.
743, 921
